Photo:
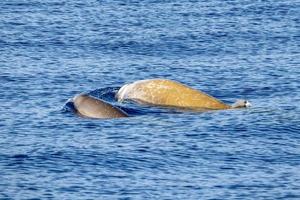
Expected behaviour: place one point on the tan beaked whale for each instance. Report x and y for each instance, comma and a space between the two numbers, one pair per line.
91, 107
163, 92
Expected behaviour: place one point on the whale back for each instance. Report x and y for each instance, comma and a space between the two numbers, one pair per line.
88, 106
168, 93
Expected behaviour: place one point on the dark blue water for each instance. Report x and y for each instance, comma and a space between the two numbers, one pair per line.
52, 50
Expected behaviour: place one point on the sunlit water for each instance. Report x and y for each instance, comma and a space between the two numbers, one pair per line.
52, 50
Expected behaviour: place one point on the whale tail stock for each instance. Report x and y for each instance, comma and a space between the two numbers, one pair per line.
241, 103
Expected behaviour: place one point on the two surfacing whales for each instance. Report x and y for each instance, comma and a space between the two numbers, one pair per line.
160, 92
164, 92
91, 107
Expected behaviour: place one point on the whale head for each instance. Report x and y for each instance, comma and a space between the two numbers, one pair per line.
122, 93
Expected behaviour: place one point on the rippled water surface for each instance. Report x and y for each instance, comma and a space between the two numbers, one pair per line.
52, 50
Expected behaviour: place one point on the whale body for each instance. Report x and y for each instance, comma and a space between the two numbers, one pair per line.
163, 92
88, 106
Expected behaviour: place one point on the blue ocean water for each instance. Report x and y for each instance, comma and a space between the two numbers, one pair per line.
51, 50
